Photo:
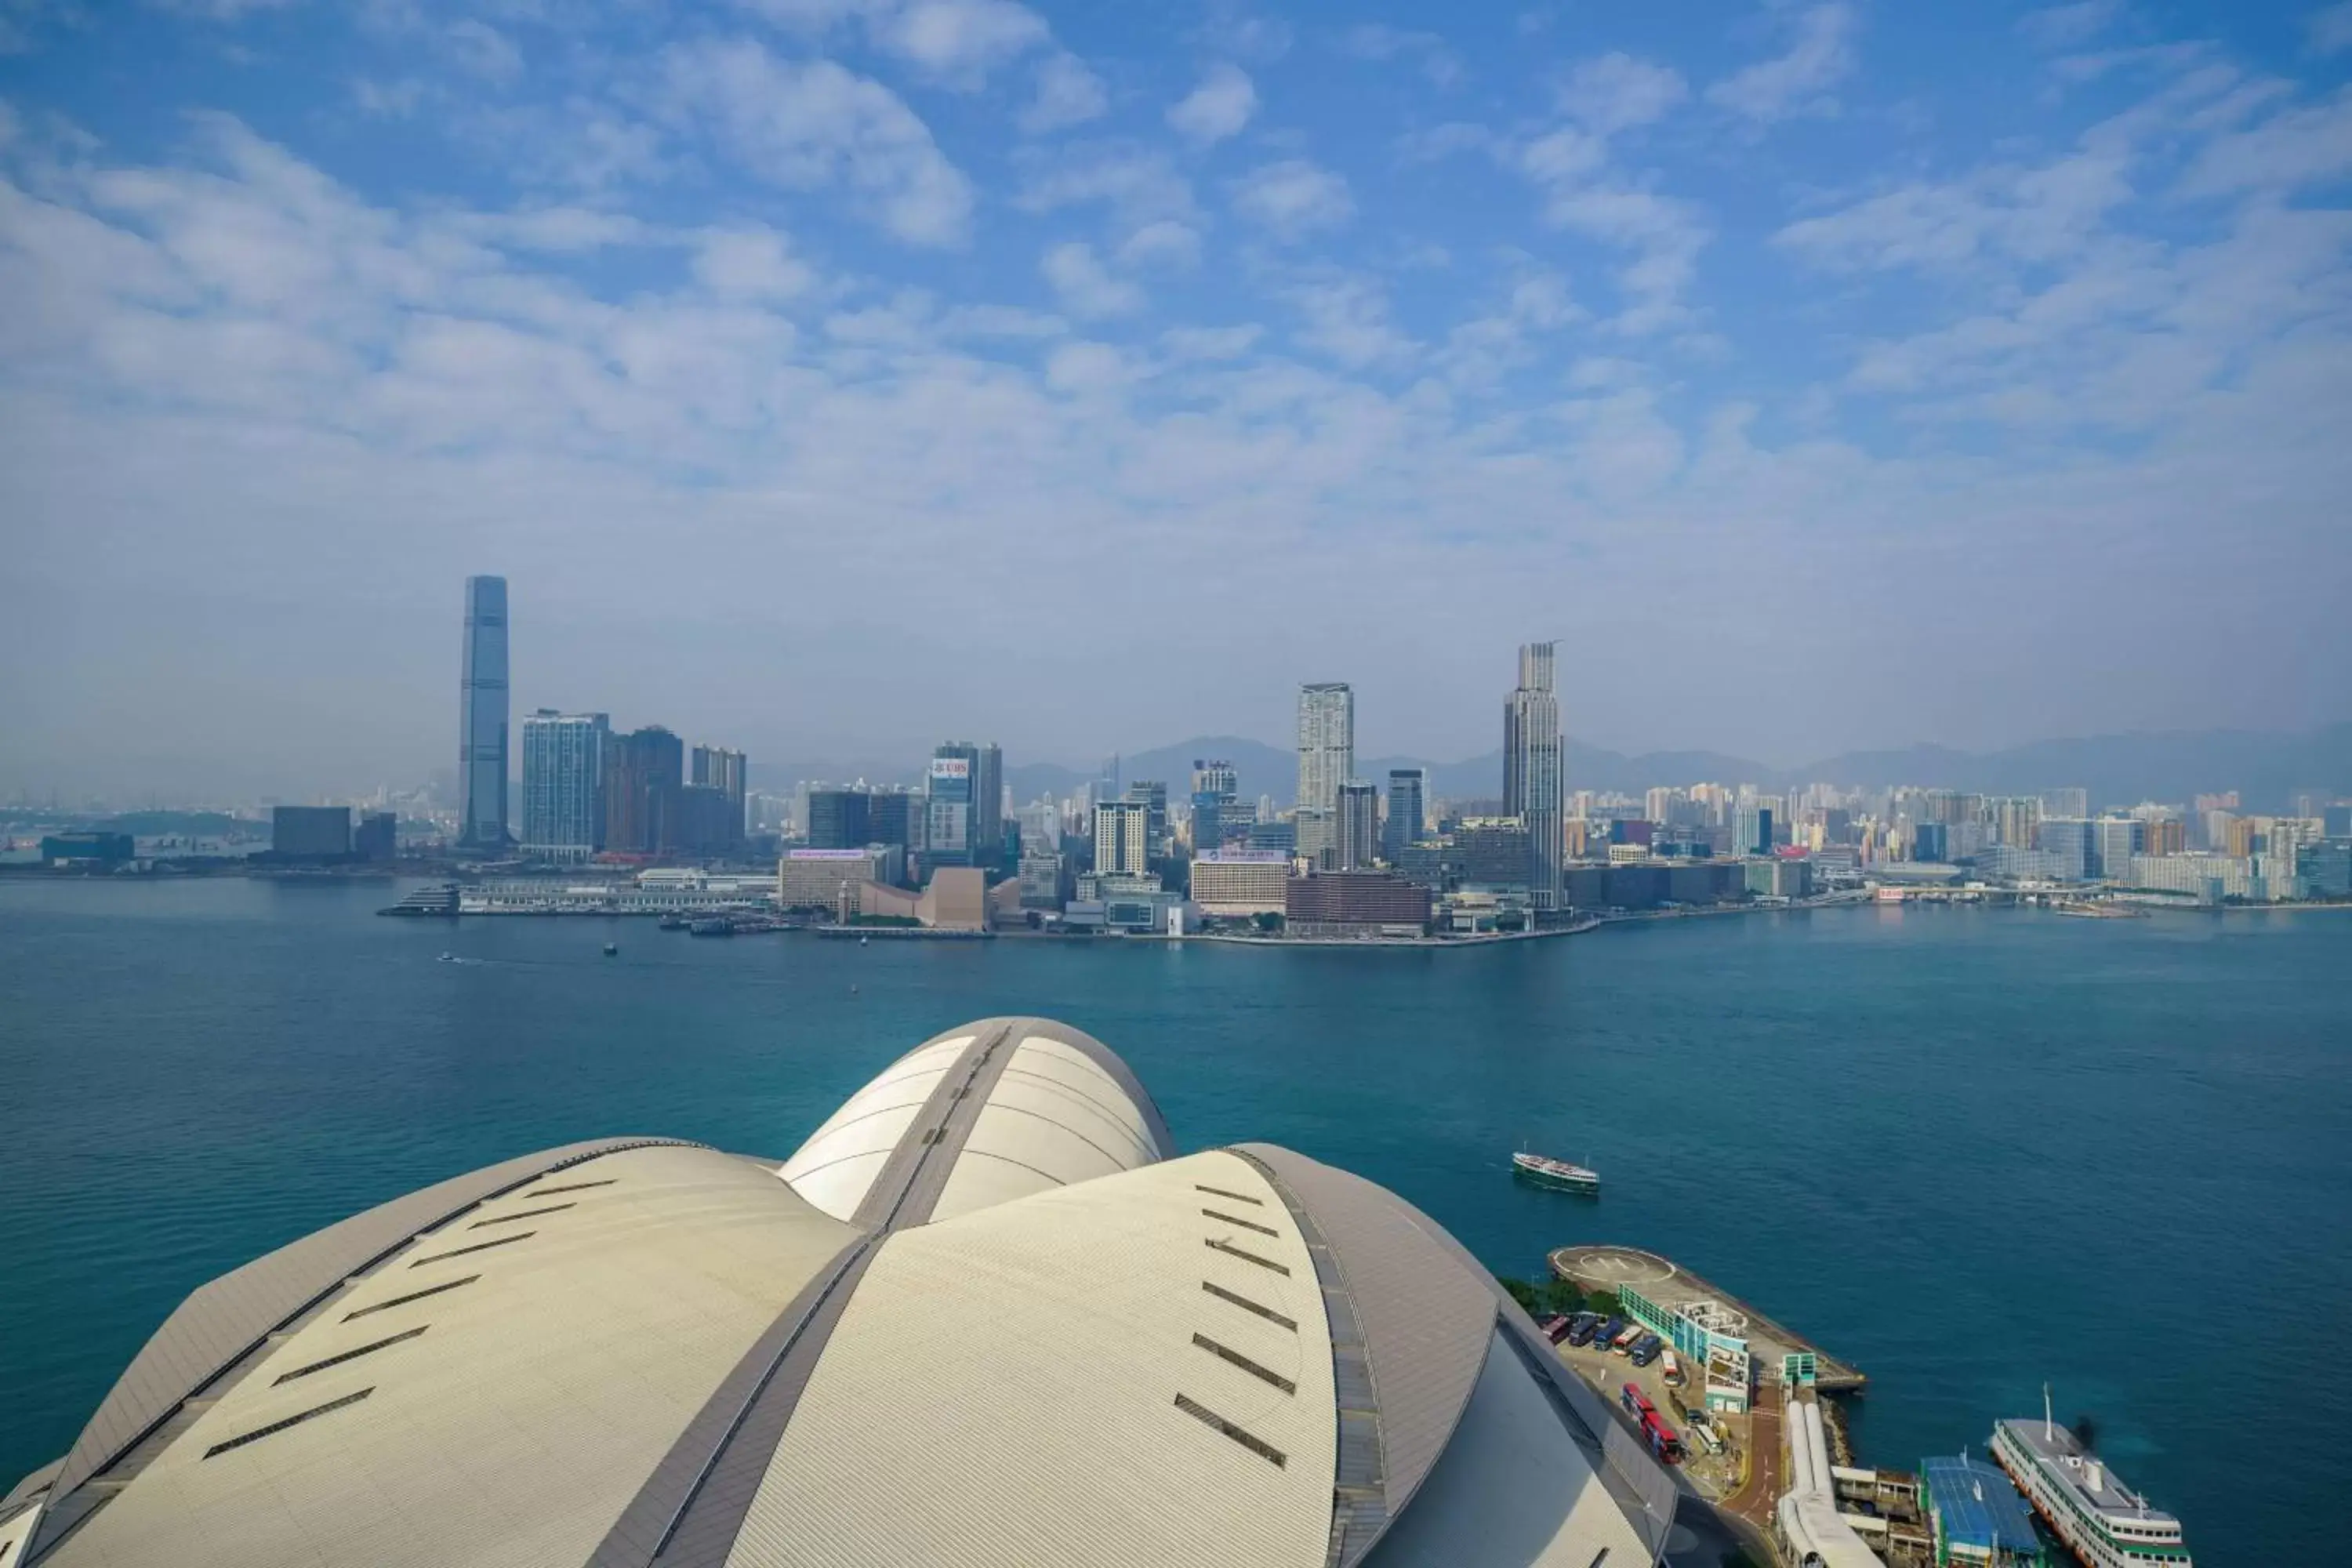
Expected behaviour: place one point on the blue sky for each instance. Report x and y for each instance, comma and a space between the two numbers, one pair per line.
831, 375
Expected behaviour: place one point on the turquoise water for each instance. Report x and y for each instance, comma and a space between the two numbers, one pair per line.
1967, 1150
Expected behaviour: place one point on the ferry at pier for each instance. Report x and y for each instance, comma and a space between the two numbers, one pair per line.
2104, 1522
1550, 1172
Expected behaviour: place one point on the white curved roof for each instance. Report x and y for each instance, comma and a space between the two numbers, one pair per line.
985, 1317
838, 1162
509, 1418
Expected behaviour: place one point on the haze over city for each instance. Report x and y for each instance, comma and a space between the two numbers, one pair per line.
833, 377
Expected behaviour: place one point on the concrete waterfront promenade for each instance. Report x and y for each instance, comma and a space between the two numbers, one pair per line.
1670, 1286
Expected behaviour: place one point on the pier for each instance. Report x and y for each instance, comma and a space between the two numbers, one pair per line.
1780, 1353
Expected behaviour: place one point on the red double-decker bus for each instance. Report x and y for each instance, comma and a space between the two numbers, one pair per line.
1663, 1440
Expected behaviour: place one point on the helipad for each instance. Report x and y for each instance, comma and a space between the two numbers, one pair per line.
1675, 1289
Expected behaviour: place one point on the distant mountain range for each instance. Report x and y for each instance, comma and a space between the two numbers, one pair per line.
2268, 770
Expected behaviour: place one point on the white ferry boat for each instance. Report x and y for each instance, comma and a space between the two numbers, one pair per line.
1550, 1173
2104, 1522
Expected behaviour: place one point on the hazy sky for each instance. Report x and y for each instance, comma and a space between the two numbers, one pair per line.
831, 376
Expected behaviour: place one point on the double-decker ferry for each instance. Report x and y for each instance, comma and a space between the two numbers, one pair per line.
2101, 1522
1550, 1172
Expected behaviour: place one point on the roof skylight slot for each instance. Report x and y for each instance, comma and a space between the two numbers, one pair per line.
486, 1245
1237, 1197
352, 1354
1254, 1443
1243, 1361
526, 1214
1219, 1244
1244, 1224
573, 1187
259, 1433
412, 1296
1246, 1305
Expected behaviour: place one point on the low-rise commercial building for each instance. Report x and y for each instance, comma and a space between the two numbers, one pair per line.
310, 832
88, 848
815, 878
1355, 904
956, 899
1241, 883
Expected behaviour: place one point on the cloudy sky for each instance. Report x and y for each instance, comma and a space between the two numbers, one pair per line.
830, 376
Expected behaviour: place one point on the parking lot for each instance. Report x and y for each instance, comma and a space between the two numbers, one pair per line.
1716, 1475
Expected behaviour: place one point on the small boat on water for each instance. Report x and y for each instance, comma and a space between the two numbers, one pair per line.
1545, 1171
611, 948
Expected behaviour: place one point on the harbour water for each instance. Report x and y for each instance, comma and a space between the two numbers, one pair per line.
1967, 1150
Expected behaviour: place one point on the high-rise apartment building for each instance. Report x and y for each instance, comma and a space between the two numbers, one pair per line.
728, 773
1533, 780
2067, 803
645, 773
948, 808
2069, 842
1356, 826
482, 717
1326, 743
1153, 794
1122, 834
564, 759
1408, 810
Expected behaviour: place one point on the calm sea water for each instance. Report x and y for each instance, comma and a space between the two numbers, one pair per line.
1967, 1150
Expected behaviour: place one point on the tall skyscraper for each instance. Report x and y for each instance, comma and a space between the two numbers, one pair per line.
1408, 810
1356, 826
563, 784
1122, 829
1213, 786
974, 828
645, 773
482, 717
1326, 743
728, 773
1153, 794
1532, 775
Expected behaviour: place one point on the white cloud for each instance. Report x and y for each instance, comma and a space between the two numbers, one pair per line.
481, 51
1348, 319
1216, 108
1797, 82
1138, 184
754, 263
389, 99
1437, 142
808, 124
2330, 28
1210, 342
1616, 92
1068, 94
1087, 288
1379, 41
223, 10
1294, 198
1166, 243
961, 41
2298, 147
2069, 26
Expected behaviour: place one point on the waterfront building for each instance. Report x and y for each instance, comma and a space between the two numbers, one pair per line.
87, 849
2208, 877
728, 773
837, 818
1931, 842
1236, 883
1122, 837
1355, 904
1356, 826
1778, 876
2114, 841
2002, 862
310, 832
563, 756
1754, 833
2324, 869
482, 759
2067, 840
972, 831
376, 838
644, 772
1044, 877
815, 878
1493, 854
1534, 771
1408, 812
1327, 744
1976, 1518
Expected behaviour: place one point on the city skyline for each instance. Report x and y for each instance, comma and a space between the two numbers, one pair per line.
1862, 354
